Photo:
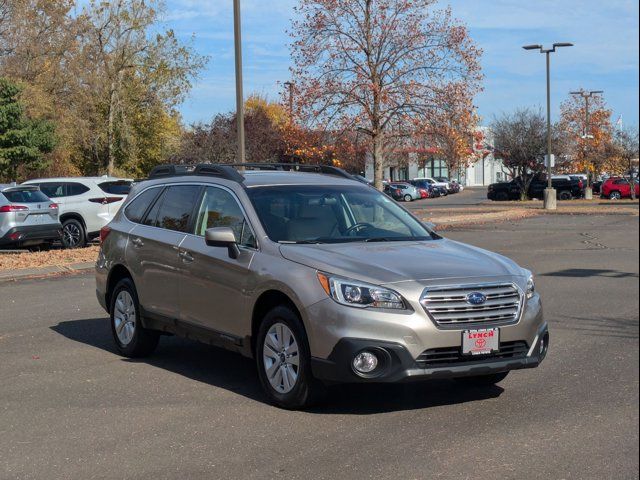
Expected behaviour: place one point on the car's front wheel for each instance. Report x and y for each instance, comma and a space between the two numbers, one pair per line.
615, 196
483, 380
284, 361
131, 338
408, 198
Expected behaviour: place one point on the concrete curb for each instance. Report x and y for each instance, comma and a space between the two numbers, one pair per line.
27, 273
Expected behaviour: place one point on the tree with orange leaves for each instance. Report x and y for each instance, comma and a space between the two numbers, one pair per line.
379, 67
587, 142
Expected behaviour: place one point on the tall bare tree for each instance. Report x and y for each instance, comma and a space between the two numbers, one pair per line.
378, 66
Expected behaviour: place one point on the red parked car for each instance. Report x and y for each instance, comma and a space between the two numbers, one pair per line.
424, 193
616, 188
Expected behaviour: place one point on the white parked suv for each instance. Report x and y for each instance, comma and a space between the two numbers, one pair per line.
86, 204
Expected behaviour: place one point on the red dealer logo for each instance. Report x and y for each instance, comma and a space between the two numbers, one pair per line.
481, 343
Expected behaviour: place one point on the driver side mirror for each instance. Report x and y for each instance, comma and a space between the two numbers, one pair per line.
222, 237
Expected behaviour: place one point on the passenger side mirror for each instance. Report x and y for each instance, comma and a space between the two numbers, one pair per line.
222, 237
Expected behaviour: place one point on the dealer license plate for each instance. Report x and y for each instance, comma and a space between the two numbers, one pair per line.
480, 342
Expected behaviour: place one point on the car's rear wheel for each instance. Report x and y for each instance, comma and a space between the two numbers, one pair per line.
73, 234
615, 196
408, 198
284, 361
483, 380
131, 338
565, 195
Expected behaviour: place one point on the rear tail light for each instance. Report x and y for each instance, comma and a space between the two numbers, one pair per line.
105, 200
13, 208
104, 233
53, 206
580, 184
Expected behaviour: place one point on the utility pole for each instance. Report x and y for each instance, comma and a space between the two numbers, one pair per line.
237, 27
289, 86
550, 200
588, 192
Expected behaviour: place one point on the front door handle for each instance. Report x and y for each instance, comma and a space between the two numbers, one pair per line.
137, 242
186, 256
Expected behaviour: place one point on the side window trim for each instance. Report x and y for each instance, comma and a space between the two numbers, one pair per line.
247, 222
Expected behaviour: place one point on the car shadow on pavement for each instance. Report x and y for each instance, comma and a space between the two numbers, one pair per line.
589, 272
223, 369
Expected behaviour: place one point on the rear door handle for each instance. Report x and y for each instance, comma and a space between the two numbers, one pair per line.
137, 242
186, 256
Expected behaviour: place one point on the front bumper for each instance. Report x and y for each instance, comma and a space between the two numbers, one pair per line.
31, 235
398, 365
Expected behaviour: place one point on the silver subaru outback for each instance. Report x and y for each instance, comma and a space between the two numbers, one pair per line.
318, 277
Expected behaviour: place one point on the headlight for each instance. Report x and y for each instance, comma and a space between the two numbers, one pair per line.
360, 295
531, 287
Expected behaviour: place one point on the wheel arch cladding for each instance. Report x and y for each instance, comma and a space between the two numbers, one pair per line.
266, 302
73, 216
117, 273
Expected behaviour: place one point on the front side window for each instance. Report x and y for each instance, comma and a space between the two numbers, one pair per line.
173, 210
327, 214
220, 209
52, 190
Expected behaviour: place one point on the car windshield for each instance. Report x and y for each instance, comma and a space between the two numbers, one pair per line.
326, 214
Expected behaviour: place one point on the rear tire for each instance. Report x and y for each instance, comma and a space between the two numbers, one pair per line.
73, 234
275, 358
615, 196
483, 380
565, 195
131, 338
408, 198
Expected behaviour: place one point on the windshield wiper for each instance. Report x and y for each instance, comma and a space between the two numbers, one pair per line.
395, 239
300, 242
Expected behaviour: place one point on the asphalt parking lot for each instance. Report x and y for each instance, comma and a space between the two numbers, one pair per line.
72, 408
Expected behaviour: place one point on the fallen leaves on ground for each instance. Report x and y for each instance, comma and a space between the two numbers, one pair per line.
17, 261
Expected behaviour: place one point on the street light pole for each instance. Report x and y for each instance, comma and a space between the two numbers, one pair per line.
237, 27
588, 192
550, 200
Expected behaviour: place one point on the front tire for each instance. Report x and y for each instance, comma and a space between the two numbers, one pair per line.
131, 338
615, 196
408, 198
483, 380
565, 195
284, 361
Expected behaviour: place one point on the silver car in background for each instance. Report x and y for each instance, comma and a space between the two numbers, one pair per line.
408, 192
318, 277
28, 217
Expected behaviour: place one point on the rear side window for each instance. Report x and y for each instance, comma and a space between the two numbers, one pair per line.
174, 209
622, 181
120, 187
74, 189
136, 209
53, 189
26, 196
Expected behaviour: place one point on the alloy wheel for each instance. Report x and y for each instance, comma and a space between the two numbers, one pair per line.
281, 358
71, 235
124, 317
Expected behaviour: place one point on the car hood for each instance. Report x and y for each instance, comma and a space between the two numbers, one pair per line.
392, 262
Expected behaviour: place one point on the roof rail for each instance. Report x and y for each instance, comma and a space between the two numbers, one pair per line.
229, 171
214, 170
296, 167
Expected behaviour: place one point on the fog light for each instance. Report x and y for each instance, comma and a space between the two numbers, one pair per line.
365, 362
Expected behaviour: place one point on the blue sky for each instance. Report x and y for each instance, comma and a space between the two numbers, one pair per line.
605, 56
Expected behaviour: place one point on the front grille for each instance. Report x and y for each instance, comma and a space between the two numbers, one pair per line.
448, 306
451, 356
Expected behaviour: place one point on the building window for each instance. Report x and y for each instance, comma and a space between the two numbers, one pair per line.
435, 168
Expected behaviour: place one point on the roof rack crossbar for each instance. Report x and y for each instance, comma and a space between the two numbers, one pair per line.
211, 169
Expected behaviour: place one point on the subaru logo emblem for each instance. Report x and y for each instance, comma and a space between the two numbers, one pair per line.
476, 298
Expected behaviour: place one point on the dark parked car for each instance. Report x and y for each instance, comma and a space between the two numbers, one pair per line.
433, 190
566, 189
